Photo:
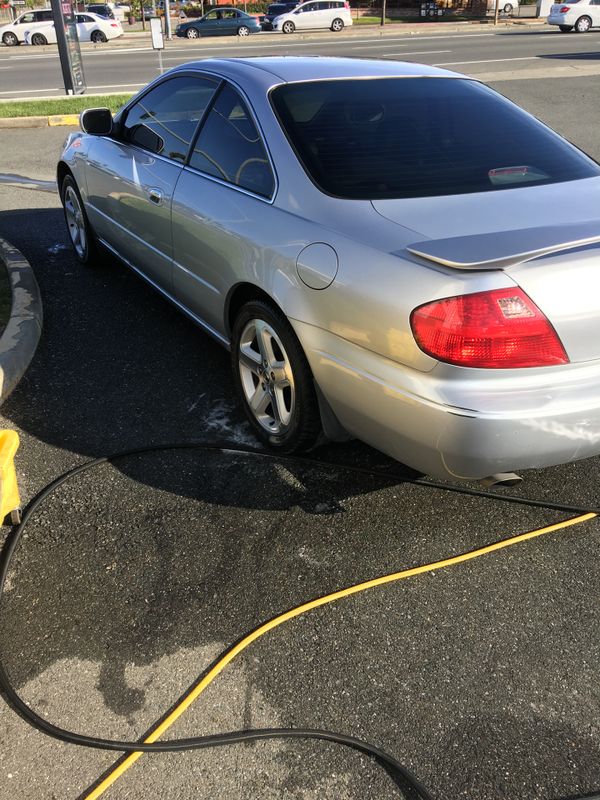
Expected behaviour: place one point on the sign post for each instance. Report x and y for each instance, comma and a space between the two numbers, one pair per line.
158, 43
64, 13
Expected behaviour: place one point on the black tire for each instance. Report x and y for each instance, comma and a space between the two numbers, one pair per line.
508, 8
288, 26
337, 25
583, 24
192, 33
243, 30
10, 39
98, 37
89, 253
565, 28
39, 39
304, 426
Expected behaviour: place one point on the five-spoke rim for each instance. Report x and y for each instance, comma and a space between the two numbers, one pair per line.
266, 375
75, 222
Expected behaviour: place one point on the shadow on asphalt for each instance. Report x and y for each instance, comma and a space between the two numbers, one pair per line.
172, 552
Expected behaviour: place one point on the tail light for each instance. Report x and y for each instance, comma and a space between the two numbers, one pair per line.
563, 9
114, 25
499, 329
346, 5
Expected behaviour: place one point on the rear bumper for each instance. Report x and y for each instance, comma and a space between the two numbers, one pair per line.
465, 428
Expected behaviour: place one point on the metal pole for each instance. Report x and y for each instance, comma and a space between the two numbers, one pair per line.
168, 20
383, 4
496, 9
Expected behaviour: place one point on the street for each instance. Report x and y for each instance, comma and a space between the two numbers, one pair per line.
482, 678
515, 54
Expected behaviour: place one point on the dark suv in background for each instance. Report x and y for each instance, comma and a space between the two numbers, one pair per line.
274, 10
101, 9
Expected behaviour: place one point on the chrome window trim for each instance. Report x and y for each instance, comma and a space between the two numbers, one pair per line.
220, 81
123, 113
268, 200
263, 139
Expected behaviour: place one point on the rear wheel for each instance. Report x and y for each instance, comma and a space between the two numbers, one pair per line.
243, 30
565, 28
273, 379
98, 37
288, 26
38, 39
508, 8
583, 24
80, 231
10, 39
191, 33
337, 25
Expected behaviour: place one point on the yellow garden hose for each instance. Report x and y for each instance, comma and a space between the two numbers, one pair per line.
196, 690
401, 776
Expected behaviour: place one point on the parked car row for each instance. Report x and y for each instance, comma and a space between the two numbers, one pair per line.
37, 28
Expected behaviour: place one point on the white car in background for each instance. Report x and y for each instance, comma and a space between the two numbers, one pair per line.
577, 15
90, 28
14, 33
332, 14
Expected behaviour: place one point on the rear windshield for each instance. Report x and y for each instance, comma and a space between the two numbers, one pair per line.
278, 8
419, 137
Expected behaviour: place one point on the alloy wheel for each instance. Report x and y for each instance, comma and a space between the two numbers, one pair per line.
75, 222
266, 376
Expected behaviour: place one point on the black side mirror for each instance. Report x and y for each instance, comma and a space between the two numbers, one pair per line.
96, 121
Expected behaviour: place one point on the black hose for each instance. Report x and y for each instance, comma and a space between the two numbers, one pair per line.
402, 777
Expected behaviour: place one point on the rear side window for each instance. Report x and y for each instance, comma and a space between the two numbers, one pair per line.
419, 137
230, 148
43, 16
165, 119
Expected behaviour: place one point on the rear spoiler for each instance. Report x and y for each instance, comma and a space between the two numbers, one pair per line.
506, 248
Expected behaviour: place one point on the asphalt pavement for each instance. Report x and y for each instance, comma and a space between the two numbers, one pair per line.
482, 678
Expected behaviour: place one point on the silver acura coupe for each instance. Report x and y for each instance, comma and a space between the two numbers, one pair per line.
390, 251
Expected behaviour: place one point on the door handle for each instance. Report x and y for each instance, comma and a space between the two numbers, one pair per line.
155, 196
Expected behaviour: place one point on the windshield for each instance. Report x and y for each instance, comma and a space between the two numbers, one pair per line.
278, 8
419, 137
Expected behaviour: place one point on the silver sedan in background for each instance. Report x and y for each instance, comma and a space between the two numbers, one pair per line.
391, 252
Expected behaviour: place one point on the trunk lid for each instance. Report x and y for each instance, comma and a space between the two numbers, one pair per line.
547, 239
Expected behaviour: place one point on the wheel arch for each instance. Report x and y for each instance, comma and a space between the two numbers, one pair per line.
62, 170
245, 292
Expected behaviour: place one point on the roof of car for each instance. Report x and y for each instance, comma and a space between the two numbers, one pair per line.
290, 69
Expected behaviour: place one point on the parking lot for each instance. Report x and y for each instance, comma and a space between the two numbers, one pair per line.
482, 678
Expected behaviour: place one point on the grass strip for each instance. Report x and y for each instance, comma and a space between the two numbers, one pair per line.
61, 105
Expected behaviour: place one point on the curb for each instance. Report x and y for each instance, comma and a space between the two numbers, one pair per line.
20, 339
39, 122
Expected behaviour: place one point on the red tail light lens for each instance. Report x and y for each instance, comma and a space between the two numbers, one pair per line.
563, 9
501, 329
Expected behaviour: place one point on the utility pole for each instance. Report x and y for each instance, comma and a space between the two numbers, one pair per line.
168, 20
383, 5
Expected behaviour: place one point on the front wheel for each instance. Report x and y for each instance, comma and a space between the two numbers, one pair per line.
10, 39
243, 31
191, 33
565, 28
288, 27
507, 8
80, 231
583, 24
38, 39
273, 379
98, 37
337, 25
